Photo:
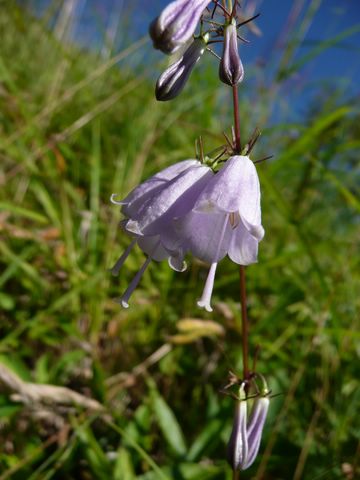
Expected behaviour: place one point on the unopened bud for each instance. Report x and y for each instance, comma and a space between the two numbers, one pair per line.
231, 70
237, 449
172, 81
246, 434
176, 24
255, 429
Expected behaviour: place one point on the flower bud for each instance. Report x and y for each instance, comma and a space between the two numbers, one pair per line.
173, 79
176, 24
255, 429
237, 449
246, 434
231, 70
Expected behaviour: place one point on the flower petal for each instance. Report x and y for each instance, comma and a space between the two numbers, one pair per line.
175, 200
152, 186
177, 263
204, 235
243, 248
235, 188
151, 246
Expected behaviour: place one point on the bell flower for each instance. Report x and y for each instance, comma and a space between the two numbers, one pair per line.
172, 81
231, 70
161, 205
135, 199
176, 24
225, 220
149, 210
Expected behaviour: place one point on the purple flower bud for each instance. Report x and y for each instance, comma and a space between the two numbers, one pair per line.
246, 434
173, 80
231, 70
176, 24
237, 449
255, 429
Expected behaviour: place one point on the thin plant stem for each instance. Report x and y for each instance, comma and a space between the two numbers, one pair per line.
236, 118
244, 322
244, 319
236, 475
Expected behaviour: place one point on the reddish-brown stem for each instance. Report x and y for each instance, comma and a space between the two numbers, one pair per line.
244, 322
236, 118
244, 319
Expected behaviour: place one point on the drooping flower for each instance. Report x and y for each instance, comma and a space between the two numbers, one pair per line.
156, 210
225, 220
176, 24
149, 210
231, 70
172, 81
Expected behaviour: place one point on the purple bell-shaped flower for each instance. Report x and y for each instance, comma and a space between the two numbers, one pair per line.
150, 209
225, 220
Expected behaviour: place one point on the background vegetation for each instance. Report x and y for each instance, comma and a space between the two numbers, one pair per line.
74, 129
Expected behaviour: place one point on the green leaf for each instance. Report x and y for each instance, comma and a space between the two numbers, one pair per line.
209, 435
168, 423
189, 471
123, 469
15, 364
9, 410
23, 212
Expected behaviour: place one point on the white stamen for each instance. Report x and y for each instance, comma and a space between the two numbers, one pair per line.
116, 268
124, 299
205, 299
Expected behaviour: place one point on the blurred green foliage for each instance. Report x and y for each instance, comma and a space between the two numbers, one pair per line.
75, 128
